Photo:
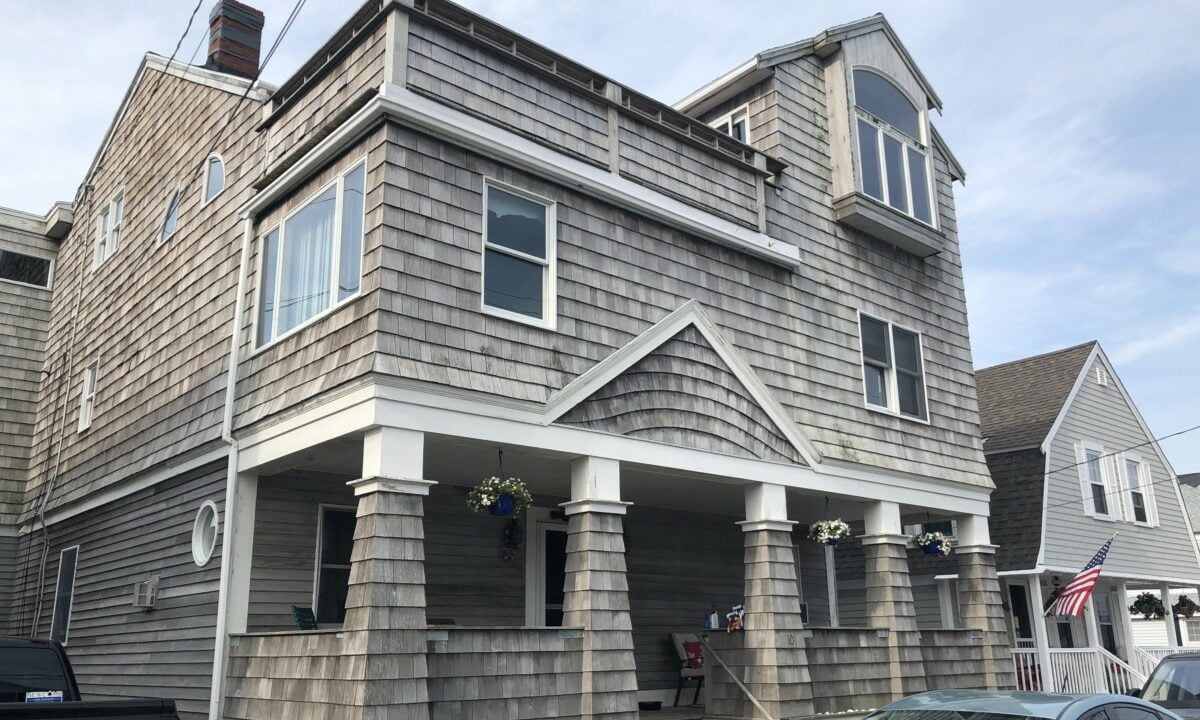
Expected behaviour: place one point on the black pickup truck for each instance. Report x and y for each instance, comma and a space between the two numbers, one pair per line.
36, 683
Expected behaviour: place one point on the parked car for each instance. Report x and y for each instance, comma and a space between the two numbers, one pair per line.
980, 705
36, 683
1175, 685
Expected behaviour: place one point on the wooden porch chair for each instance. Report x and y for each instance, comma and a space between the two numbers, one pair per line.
691, 663
304, 618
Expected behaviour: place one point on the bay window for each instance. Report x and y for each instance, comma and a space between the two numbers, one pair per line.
893, 368
893, 152
519, 236
312, 260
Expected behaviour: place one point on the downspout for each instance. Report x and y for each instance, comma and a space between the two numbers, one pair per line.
221, 647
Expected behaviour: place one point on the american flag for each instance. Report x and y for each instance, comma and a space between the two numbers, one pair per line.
1075, 595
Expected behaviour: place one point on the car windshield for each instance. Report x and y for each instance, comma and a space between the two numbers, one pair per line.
1175, 684
30, 669
944, 715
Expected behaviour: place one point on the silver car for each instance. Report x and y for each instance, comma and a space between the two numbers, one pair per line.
980, 705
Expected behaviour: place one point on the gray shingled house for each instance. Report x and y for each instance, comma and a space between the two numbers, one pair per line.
290, 328
1074, 463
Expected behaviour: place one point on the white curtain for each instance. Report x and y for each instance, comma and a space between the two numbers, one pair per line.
305, 277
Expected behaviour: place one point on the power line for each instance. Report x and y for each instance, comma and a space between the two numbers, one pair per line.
1152, 441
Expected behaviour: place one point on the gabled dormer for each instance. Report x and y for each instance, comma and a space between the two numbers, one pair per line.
883, 150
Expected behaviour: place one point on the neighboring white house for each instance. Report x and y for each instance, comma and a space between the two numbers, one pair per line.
1153, 633
1074, 463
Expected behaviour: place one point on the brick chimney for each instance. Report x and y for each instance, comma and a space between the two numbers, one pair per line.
234, 38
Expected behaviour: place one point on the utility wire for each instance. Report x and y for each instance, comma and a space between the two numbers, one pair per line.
1120, 491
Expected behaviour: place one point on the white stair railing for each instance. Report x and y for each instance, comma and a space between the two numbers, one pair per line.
1119, 676
1144, 661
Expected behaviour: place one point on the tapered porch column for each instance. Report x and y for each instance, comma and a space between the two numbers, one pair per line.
596, 591
775, 662
385, 603
981, 603
889, 596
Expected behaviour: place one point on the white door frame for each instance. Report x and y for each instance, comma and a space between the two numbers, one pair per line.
537, 522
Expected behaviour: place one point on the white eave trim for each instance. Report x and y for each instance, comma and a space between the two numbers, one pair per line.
690, 313
467, 131
1066, 406
705, 96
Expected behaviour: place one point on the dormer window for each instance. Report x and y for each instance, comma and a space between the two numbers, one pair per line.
892, 148
736, 124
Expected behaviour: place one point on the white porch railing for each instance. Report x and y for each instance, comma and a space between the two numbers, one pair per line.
1145, 659
1081, 670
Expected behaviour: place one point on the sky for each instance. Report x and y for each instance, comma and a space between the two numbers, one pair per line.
1075, 122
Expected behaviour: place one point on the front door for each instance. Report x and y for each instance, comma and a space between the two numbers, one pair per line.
545, 568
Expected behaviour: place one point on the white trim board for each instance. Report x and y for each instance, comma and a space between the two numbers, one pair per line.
690, 313
459, 128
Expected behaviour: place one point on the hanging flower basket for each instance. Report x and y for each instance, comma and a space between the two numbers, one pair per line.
934, 544
829, 532
501, 498
1185, 607
1148, 606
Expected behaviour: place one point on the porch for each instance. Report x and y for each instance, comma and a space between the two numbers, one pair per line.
569, 610
1098, 652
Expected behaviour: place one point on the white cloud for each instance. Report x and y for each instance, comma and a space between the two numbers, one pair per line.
1164, 339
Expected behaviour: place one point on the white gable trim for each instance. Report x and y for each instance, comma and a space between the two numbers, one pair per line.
690, 313
1066, 406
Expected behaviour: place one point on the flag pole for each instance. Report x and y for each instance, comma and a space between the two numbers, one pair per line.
1046, 612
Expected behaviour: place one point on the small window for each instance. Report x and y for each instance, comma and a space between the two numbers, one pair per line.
335, 541
87, 396
64, 595
893, 158
893, 368
949, 528
171, 218
108, 229
1139, 490
736, 124
204, 533
518, 256
24, 269
312, 261
214, 176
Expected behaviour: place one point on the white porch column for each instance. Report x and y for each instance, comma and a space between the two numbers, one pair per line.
831, 586
1093, 627
237, 551
1122, 610
596, 590
1040, 637
1172, 631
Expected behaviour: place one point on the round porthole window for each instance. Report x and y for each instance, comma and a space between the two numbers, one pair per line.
204, 533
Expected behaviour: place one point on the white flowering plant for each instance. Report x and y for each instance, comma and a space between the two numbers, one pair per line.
933, 543
829, 532
500, 496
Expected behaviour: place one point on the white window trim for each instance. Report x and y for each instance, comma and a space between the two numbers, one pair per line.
549, 319
203, 555
882, 127
57, 583
321, 508
87, 394
918, 528
1106, 479
176, 196
741, 113
49, 277
1144, 484
892, 389
101, 241
204, 198
336, 262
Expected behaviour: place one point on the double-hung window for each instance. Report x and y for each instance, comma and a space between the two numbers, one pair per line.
108, 229
87, 395
335, 541
1094, 480
736, 124
312, 261
893, 154
519, 236
1139, 495
893, 368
